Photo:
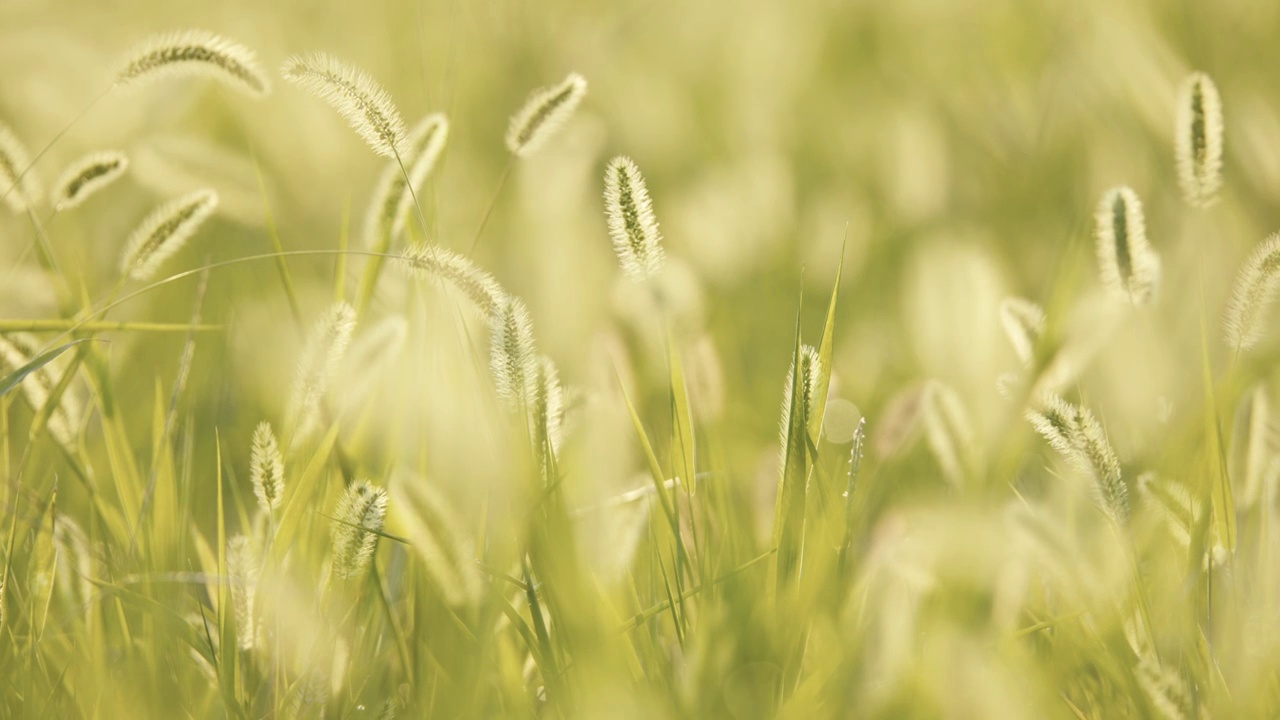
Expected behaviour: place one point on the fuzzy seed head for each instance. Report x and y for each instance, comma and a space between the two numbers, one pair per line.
1130, 269
194, 52
388, 211
810, 369
1198, 140
19, 191
1023, 323
546, 110
357, 97
86, 176
1253, 294
164, 232
242, 572
632, 225
363, 508
513, 355
317, 365
1075, 433
453, 270
547, 413
266, 468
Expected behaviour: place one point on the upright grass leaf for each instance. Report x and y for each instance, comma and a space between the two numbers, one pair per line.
826, 350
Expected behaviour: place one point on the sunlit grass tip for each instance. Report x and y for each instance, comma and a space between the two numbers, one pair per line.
546, 110
452, 269
513, 355
1023, 323
194, 52
86, 176
389, 208
266, 468
163, 233
632, 224
1254, 291
1198, 140
1129, 267
18, 194
363, 508
354, 94
317, 364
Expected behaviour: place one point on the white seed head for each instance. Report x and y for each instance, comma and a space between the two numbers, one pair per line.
513, 355
1130, 269
357, 97
1198, 140
317, 364
19, 191
632, 225
194, 52
1023, 323
456, 271
388, 211
363, 508
1255, 290
948, 431
164, 232
546, 110
266, 468
86, 176
242, 575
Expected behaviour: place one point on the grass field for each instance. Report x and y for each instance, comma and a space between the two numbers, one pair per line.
427, 358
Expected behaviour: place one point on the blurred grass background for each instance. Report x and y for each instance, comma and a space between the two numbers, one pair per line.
955, 149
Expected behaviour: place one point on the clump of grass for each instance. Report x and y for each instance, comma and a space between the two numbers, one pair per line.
546, 110
948, 431
1077, 435
164, 232
1198, 140
1023, 323
357, 97
632, 224
193, 52
266, 468
513, 354
317, 365
86, 176
1129, 267
455, 270
1255, 290
357, 521
19, 184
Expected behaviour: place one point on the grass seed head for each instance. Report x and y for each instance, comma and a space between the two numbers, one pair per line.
86, 176
363, 508
513, 355
1023, 323
266, 468
357, 97
317, 365
194, 52
546, 110
1130, 269
1198, 140
19, 191
164, 232
454, 270
632, 225
1255, 290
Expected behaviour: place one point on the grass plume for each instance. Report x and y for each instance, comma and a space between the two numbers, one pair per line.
546, 110
354, 94
1198, 140
1129, 267
86, 176
164, 232
194, 52
357, 520
1252, 295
